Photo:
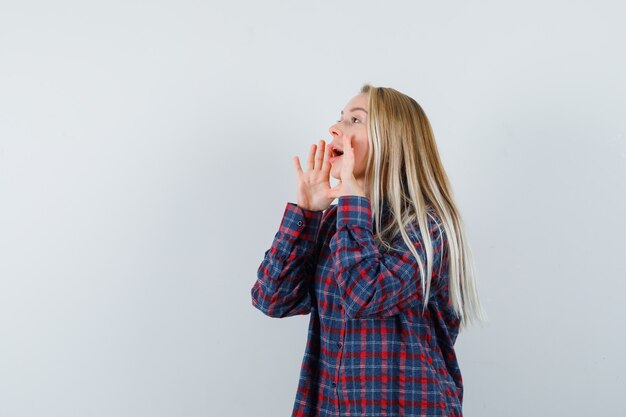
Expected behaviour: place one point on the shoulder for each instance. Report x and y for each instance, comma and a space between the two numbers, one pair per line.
434, 225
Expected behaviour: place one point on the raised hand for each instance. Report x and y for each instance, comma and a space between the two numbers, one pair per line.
314, 184
348, 184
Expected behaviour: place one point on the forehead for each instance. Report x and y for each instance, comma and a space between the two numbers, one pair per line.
360, 100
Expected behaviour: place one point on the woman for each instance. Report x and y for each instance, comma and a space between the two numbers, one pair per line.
386, 273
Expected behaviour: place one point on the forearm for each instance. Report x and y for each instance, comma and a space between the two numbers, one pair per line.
284, 276
371, 283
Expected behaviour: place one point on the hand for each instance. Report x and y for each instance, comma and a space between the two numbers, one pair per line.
314, 184
348, 184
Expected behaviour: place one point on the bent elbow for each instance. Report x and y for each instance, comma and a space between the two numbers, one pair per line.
275, 308
260, 303
265, 309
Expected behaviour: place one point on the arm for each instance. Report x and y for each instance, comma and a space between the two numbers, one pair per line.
284, 276
373, 284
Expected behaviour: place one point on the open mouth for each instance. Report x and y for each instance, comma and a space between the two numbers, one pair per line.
336, 152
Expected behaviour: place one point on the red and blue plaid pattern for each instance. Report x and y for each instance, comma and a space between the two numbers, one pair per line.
371, 350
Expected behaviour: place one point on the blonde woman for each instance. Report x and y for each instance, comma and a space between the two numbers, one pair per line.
386, 274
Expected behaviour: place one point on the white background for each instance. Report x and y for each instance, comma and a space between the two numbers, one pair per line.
145, 163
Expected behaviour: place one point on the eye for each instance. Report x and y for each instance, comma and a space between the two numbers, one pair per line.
353, 119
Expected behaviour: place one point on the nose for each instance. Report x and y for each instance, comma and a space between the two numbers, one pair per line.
334, 130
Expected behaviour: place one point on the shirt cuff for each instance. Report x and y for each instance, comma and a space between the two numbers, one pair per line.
300, 223
354, 210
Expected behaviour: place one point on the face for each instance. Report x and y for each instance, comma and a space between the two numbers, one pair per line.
352, 124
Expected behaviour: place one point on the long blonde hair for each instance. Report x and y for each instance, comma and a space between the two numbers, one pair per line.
404, 171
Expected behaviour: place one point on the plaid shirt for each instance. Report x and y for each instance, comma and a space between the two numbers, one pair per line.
371, 351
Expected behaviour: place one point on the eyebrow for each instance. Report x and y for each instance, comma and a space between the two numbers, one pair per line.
356, 108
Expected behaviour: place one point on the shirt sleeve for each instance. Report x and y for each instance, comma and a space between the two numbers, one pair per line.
371, 283
282, 287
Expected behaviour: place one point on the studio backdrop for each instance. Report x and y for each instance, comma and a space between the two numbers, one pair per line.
146, 160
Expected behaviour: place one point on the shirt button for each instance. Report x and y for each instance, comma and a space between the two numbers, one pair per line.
338, 344
299, 223
334, 385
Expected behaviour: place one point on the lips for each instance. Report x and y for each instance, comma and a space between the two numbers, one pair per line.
334, 159
335, 151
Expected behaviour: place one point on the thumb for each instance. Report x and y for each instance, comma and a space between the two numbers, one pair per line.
334, 192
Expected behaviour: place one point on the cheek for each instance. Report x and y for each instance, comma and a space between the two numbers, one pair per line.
361, 153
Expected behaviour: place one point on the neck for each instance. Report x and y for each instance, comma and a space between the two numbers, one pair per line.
361, 182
